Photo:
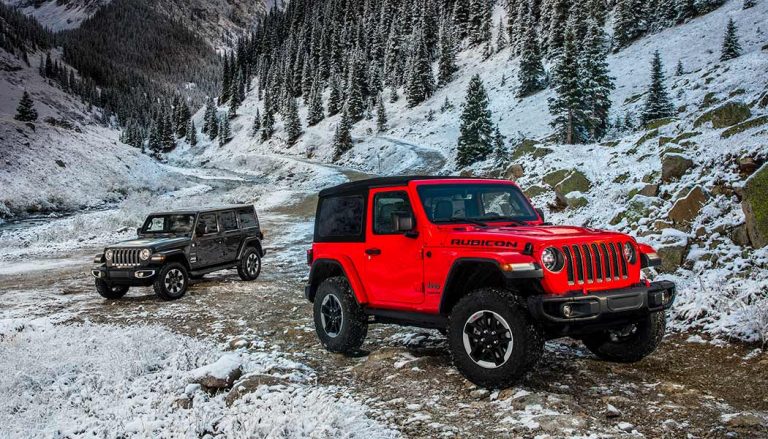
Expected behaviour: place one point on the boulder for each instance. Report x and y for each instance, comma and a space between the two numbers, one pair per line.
219, 375
514, 172
576, 181
646, 137
672, 250
739, 235
747, 165
534, 191
744, 126
726, 115
650, 190
687, 208
743, 420
251, 383
573, 200
674, 166
658, 123
755, 206
529, 146
637, 208
555, 177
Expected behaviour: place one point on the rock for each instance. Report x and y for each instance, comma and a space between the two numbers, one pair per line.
466, 173
638, 207
685, 136
661, 225
755, 207
650, 190
514, 172
479, 393
555, 177
747, 165
686, 209
743, 420
184, 402
674, 166
534, 191
574, 200
557, 424
752, 123
529, 146
726, 115
672, 256
612, 412
250, 383
646, 137
710, 99
739, 235
625, 426
658, 123
219, 375
237, 343
576, 181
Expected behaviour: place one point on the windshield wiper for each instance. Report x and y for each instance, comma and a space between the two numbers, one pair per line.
455, 219
516, 222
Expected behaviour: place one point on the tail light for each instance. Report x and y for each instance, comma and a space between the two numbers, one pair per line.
310, 256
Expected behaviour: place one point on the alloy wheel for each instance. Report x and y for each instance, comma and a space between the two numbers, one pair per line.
174, 281
252, 264
487, 339
331, 315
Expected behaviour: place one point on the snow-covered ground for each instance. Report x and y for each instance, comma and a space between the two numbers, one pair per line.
89, 380
58, 15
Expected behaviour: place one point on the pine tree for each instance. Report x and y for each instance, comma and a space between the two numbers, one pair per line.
316, 112
679, 71
531, 72
213, 128
292, 122
657, 103
501, 36
421, 83
267, 125
499, 149
557, 25
731, 46
461, 18
225, 132
168, 135
686, 9
446, 63
479, 21
155, 141
226, 83
342, 139
597, 83
191, 133
354, 99
570, 117
749, 4
334, 98
256, 124
381, 115
629, 22
26, 112
210, 120
476, 138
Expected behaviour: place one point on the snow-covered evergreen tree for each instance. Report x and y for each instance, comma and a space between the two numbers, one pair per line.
267, 125
256, 127
731, 45
501, 36
570, 118
749, 4
679, 71
354, 100
210, 119
342, 139
476, 138
461, 18
596, 82
686, 9
316, 112
191, 136
25, 111
479, 21
629, 23
420, 84
381, 115
657, 102
334, 99
292, 122
446, 62
530, 75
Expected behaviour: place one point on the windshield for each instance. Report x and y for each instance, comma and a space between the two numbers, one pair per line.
477, 203
174, 223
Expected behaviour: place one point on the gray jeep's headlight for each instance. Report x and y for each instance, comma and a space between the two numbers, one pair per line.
145, 254
108, 255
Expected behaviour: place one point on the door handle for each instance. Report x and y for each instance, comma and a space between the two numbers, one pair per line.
372, 251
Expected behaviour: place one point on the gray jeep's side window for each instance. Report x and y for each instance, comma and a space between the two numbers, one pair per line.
209, 220
247, 220
341, 218
228, 221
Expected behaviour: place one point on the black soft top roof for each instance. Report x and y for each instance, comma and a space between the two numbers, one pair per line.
400, 180
205, 210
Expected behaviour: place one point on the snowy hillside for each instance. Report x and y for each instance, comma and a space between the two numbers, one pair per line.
64, 160
709, 244
58, 15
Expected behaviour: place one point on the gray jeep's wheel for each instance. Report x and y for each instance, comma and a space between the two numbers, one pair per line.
249, 266
630, 343
340, 324
171, 282
110, 292
491, 338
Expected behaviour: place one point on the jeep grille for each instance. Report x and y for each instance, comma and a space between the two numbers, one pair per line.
595, 262
125, 257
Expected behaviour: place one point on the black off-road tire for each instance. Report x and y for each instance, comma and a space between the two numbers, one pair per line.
171, 282
527, 339
335, 294
249, 266
110, 292
640, 343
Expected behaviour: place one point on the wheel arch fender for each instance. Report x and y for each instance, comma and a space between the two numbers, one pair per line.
473, 272
325, 268
254, 242
176, 255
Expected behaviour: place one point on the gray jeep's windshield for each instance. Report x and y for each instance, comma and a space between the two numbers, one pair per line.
173, 224
475, 203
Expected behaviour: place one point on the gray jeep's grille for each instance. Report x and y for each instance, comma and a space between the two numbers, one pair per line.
125, 257
594, 262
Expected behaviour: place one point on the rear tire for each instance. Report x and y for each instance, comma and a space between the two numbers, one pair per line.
249, 266
629, 344
110, 292
491, 338
340, 324
171, 282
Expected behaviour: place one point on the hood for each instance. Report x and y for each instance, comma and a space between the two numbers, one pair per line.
156, 244
518, 236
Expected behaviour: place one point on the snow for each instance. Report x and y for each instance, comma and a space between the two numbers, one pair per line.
221, 369
57, 15
81, 380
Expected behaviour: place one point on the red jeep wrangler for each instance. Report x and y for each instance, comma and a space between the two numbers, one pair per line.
474, 258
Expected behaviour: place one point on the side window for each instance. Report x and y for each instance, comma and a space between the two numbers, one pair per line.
247, 219
341, 218
385, 206
228, 221
209, 221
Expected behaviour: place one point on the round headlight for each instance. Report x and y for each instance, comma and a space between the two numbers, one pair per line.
108, 255
551, 259
629, 252
145, 254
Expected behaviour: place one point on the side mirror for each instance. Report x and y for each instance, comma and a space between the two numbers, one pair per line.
543, 218
138, 231
404, 223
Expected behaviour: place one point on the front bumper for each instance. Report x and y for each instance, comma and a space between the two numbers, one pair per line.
603, 307
138, 276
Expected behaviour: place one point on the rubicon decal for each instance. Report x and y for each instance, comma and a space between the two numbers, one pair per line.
483, 243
